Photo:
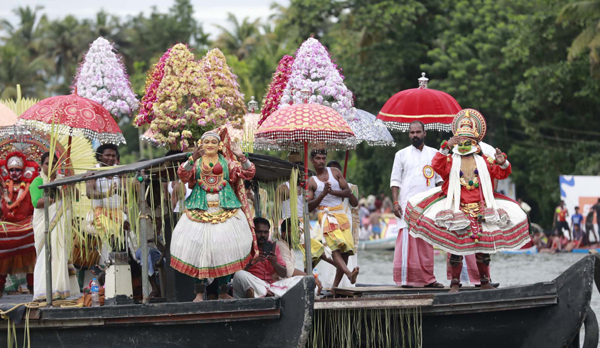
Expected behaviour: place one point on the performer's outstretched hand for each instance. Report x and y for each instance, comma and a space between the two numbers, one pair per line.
237, 150
198, 152
500, 159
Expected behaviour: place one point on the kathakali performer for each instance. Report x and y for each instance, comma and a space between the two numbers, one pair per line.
17, 244
215, 236
466, 216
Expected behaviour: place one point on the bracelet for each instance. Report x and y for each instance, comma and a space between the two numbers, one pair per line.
243, 159
396, 202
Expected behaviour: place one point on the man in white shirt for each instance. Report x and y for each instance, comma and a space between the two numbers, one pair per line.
412, 174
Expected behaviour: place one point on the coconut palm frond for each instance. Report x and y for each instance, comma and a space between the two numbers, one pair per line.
582, 42
580, 10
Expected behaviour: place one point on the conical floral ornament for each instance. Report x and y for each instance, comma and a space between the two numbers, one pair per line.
314, 71
155, 76
102, 78
276, 88
225, 87
186, 104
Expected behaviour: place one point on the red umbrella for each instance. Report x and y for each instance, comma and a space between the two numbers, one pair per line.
299, 126
74, 116
435, 109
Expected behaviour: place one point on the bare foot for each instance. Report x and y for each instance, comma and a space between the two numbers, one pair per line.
354, 275
199, 297
487, 287
225, 297
454, 288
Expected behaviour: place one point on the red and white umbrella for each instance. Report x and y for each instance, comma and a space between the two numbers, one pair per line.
434, 108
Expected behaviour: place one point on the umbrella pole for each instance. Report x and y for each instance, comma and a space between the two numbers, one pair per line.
69, 165
346, 163
48, 247
305, 218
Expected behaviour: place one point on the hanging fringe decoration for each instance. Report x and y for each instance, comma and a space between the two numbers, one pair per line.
393, 327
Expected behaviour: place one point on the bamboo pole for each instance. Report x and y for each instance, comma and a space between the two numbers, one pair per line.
144, 238
307, 248
48, 247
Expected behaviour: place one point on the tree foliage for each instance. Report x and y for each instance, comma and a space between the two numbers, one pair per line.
521, 63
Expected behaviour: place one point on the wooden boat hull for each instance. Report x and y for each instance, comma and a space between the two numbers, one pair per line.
544, 315
264, 322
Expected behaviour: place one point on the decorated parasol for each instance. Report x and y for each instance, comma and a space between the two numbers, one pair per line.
73, 116
434, 108
7, 116
301, 126
369, 129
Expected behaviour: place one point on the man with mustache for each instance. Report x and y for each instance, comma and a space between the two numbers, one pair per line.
266, 274
411, 174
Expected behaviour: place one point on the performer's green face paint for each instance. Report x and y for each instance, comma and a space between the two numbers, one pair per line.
464, 146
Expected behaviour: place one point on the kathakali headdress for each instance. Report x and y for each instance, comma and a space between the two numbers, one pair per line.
469, 123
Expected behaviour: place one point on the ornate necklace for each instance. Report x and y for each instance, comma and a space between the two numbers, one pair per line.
23, 190
211, 177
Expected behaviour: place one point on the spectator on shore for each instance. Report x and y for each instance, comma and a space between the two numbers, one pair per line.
576, 219
596, 209
379, 201
375, 223
560, 220
589, 226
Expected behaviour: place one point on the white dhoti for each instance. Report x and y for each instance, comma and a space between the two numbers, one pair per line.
243, 280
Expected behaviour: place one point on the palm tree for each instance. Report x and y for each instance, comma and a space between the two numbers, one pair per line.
18, 67
587, 12
65, 42
28, 33
241, 40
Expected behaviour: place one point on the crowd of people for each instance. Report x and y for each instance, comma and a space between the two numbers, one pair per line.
441, 198
569, 231
217, 240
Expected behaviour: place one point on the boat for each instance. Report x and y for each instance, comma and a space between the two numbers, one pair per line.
377, 244
585, 250
527, 251
262, 322
270, 322
545, 315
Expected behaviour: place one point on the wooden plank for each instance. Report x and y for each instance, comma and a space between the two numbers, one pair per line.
491, 306
268, 168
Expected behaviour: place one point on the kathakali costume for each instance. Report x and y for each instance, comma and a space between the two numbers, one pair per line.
215, 236
17, 243
465, 216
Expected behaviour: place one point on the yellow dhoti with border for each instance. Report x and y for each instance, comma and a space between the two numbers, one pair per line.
336, 229
316, 246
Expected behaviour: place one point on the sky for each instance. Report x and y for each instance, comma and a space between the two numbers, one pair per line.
209, 12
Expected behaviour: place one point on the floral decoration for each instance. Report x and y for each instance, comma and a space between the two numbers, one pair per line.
314, 70
278, 83
102, 78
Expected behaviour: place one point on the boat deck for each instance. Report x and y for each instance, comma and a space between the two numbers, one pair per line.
439, 301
